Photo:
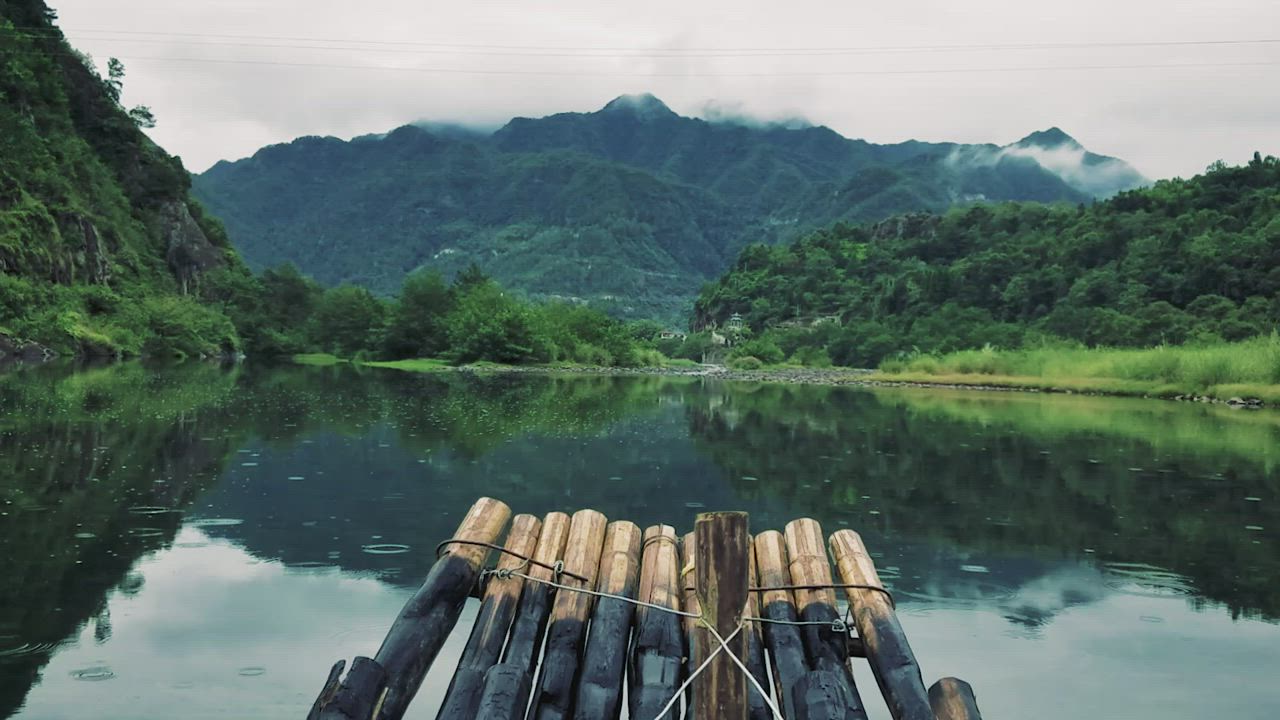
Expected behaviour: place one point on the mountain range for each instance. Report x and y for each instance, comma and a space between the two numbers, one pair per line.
631, 207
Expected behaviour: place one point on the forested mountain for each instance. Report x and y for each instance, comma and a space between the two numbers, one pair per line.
1181, 260
101, 247
631, 206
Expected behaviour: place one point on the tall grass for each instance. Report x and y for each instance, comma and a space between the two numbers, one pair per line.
1250, 368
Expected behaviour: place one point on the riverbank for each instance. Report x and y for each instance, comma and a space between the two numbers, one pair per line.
971, 370
1246, 372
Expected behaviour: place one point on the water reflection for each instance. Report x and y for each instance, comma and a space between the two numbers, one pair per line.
260, 522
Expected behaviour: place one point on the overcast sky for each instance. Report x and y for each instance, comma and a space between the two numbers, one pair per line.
226, 77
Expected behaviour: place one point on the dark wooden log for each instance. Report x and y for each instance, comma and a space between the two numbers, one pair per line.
553, 694
489, 633
721, 567
497, 699
786, 648
953, 699
757, 708
358, 697
417, 634
604, 662
658, 651
822, 695
330, 689
506, 693
887, 649
824, 644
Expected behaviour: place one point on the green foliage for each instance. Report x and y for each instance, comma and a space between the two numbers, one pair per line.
1247, 368
762, 348
746, 362
1184, 261
347, 320
417, 327
489, 324
89, 207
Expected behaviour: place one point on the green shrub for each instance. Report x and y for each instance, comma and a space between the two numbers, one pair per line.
746, 362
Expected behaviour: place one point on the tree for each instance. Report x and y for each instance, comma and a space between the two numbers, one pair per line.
143, 117
489, 325
115, 78
347, 320
418, 318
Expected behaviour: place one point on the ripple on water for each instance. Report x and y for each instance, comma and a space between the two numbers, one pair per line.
215, 522
146, 532
253, 671
1145, 580
151, 510
28, 649
384, 549
96, 673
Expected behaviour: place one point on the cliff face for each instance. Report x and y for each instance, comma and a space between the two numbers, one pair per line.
98, 234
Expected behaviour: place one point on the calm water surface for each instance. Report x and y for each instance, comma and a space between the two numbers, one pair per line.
201, 542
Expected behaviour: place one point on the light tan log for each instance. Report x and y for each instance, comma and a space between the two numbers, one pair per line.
689, 592
489, 633
953, 699
786, 648
887, 649
553, 696
721, 567
658, 649
604, 661
825, 646
507, 685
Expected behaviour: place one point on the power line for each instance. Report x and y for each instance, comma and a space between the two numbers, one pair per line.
661, 52
837, 73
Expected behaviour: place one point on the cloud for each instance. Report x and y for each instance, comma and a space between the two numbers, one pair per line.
871, 71
737, 114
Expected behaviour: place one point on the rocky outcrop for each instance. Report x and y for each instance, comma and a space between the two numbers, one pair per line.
88, 255
12, 350
915, 225
187, 250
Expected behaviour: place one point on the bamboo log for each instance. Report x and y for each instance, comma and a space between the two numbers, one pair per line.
689, 592
822, 695
506, 685
721, 567
357, 697
953, 699
757, 708
599, 695
786, 648
824, 645
659, 638
484, 646
417, 634
887, 649
553, 696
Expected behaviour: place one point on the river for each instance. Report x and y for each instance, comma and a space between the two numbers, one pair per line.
205, 542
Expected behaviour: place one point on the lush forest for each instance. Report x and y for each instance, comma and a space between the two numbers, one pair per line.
630, 208
102, 249
1183, 261
282, 312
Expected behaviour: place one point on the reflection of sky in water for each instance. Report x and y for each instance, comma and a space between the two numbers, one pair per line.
212, 623
215, 632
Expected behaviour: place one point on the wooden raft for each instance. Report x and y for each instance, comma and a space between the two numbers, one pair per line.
539, 652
